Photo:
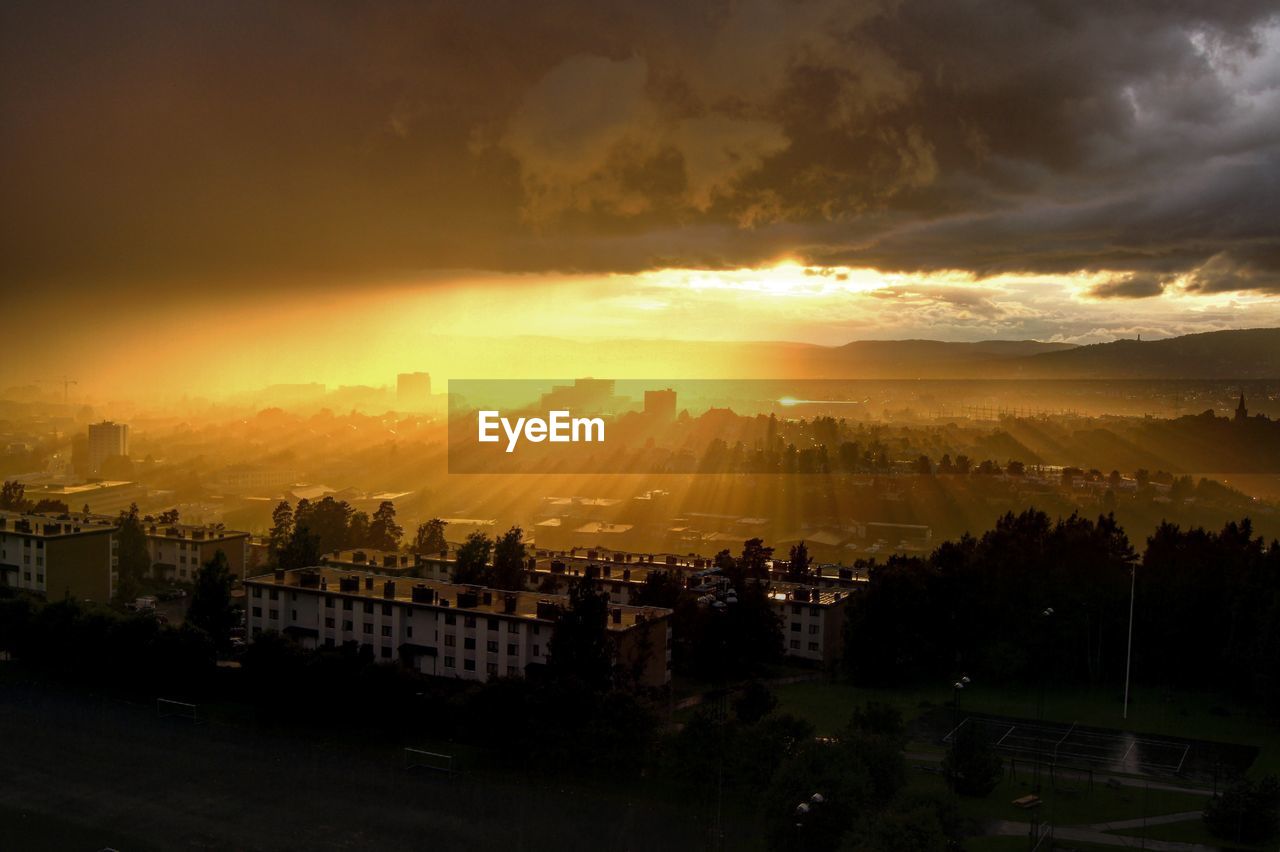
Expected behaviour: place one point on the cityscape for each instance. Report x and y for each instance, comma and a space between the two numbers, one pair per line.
774, 425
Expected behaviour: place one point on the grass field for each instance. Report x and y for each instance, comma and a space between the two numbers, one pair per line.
26, 829
1210, 717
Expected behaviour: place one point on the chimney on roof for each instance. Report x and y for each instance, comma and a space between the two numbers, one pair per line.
389, 589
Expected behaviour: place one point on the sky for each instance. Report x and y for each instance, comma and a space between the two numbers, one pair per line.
240, 187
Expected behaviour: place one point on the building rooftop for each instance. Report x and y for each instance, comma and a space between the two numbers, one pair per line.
472, 600
52, 526
189, 532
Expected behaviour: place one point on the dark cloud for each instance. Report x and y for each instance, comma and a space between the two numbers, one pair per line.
163, 143
1129, 287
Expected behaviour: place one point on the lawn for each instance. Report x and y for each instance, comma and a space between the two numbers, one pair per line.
1192, 831
1072, 804
1152, 711
24, 829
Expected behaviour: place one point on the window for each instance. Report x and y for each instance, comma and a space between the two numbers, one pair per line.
449, 663
368, 608
469, 643
346, 625
408, 631
257, 592
328, 622
537, 628
512, 671
386, 609
368, 628
813, 646
492, 646
795, 627
39, 578
536, 651
257, 612
275, 594
275, 613
469, 621
450, 618
512, 627
328, 642
386, 652
813, 630
512, 649
293, 614
346, 606
469, 665
493, 624
795, 644
328, 602
450, 640
26, 575
795, 609
491, 668
386, 630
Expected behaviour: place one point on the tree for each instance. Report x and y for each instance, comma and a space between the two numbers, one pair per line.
580, 647
429, 539
799, 563
753, 703
281, 528
134, 561
329, 520
50, 507
169, 517
302, 550
471, 564
508, 561
211, 608
358, 532
660, 588
972, 767
384, 532
13, 496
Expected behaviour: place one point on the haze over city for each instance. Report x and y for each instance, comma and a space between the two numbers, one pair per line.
765, 425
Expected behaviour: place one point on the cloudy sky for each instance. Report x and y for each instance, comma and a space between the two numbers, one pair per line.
780, 169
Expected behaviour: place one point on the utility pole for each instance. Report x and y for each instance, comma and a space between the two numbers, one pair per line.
1128, 660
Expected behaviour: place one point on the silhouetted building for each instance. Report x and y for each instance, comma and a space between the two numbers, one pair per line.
413, 391
584, 396
1242, 413
660, 404
106, 439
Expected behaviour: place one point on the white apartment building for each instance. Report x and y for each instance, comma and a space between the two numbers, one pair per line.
441, 628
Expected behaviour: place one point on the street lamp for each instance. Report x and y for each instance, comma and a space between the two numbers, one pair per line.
805, 808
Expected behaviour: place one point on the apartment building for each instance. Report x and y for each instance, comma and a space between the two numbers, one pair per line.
59, 558
812, 614
178, 551
107, 440
441, 628
437, 567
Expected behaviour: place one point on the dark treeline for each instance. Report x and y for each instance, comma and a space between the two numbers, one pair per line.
300, 535
1036, 599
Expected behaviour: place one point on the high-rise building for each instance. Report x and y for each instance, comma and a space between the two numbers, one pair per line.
106, 439
413, 391
660, 404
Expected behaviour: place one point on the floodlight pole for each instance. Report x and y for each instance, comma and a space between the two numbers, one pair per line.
1128, 660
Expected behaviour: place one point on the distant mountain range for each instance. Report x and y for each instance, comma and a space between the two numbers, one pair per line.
1244, 354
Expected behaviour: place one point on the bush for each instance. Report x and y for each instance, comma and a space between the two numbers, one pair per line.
1246, 812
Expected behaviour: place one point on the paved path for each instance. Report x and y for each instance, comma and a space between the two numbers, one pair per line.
1085, 834
1121, 824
